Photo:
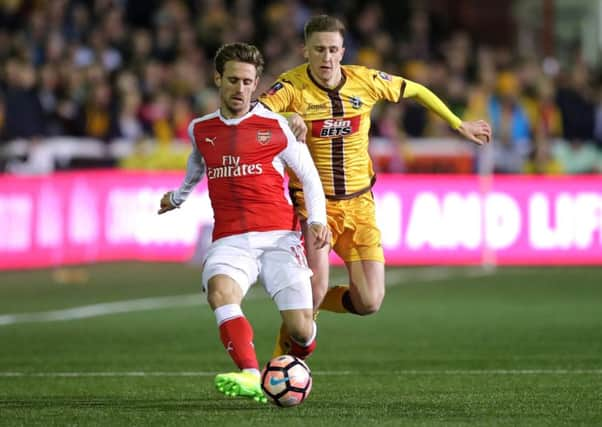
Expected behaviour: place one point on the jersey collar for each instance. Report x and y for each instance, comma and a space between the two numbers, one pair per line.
237, 120
324, 88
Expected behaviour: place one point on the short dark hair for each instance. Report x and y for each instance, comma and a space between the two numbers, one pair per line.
241, 52
323, 24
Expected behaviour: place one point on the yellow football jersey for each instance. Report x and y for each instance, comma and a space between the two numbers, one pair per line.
338, 122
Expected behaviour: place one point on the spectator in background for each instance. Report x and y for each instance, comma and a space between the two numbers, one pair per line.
72, 99
156, 116
577, 153
48, 94
418, 44
212, 24
129, 126
547, 130
141, 45
24, 117
510, 125
99, 114
576, 105
180, 119
77, 23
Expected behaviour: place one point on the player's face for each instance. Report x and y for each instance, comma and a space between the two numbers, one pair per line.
324, 52
236, 86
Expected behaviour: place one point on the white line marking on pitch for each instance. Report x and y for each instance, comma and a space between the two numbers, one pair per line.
450, 372
393, 278
94, 310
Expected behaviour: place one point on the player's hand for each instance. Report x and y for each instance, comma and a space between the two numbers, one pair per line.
321, 234
298, 126
166, 205
478, 131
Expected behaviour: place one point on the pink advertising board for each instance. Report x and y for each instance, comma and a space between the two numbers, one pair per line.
85, 217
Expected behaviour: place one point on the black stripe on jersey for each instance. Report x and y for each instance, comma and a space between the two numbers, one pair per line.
337, 153
337, 156
402, 90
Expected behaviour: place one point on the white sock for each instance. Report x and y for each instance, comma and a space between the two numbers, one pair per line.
227, 312
252, 371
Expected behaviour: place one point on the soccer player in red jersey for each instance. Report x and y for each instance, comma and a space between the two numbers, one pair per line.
332, 105
243, 148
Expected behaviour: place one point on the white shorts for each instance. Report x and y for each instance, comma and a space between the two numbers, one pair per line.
275, 257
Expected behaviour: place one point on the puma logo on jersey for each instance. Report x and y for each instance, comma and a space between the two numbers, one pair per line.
332, 128
211, 140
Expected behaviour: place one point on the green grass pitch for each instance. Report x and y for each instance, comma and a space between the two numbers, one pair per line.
457, 346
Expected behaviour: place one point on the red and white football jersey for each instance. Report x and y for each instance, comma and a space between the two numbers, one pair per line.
244, 160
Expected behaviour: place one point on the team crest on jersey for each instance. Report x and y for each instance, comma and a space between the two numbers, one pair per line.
264, 136
384, 76
356, 102
275, 88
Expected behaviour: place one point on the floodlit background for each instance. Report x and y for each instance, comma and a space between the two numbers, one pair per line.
492, 314
124, 78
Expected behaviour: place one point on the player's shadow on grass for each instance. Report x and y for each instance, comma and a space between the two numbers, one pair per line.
78, 403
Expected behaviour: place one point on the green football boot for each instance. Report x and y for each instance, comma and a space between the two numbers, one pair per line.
242, 384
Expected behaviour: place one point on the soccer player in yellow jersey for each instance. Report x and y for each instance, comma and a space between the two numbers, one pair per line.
332, 103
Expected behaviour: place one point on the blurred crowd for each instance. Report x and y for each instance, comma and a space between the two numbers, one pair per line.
138, 71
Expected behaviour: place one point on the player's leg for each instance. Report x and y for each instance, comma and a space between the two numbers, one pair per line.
365, 293
302, 329
318, 262
296, 308
286, 278
225, 296
226, 286
367, 287
359, 245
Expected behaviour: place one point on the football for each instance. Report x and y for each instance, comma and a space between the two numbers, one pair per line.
286, 380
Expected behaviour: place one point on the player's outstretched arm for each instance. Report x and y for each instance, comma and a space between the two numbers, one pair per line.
478, 131
195, 168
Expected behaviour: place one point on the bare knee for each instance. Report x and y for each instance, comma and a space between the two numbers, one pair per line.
217, 298
222, 290
368, 308
302, 329
369, 303
367, 289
